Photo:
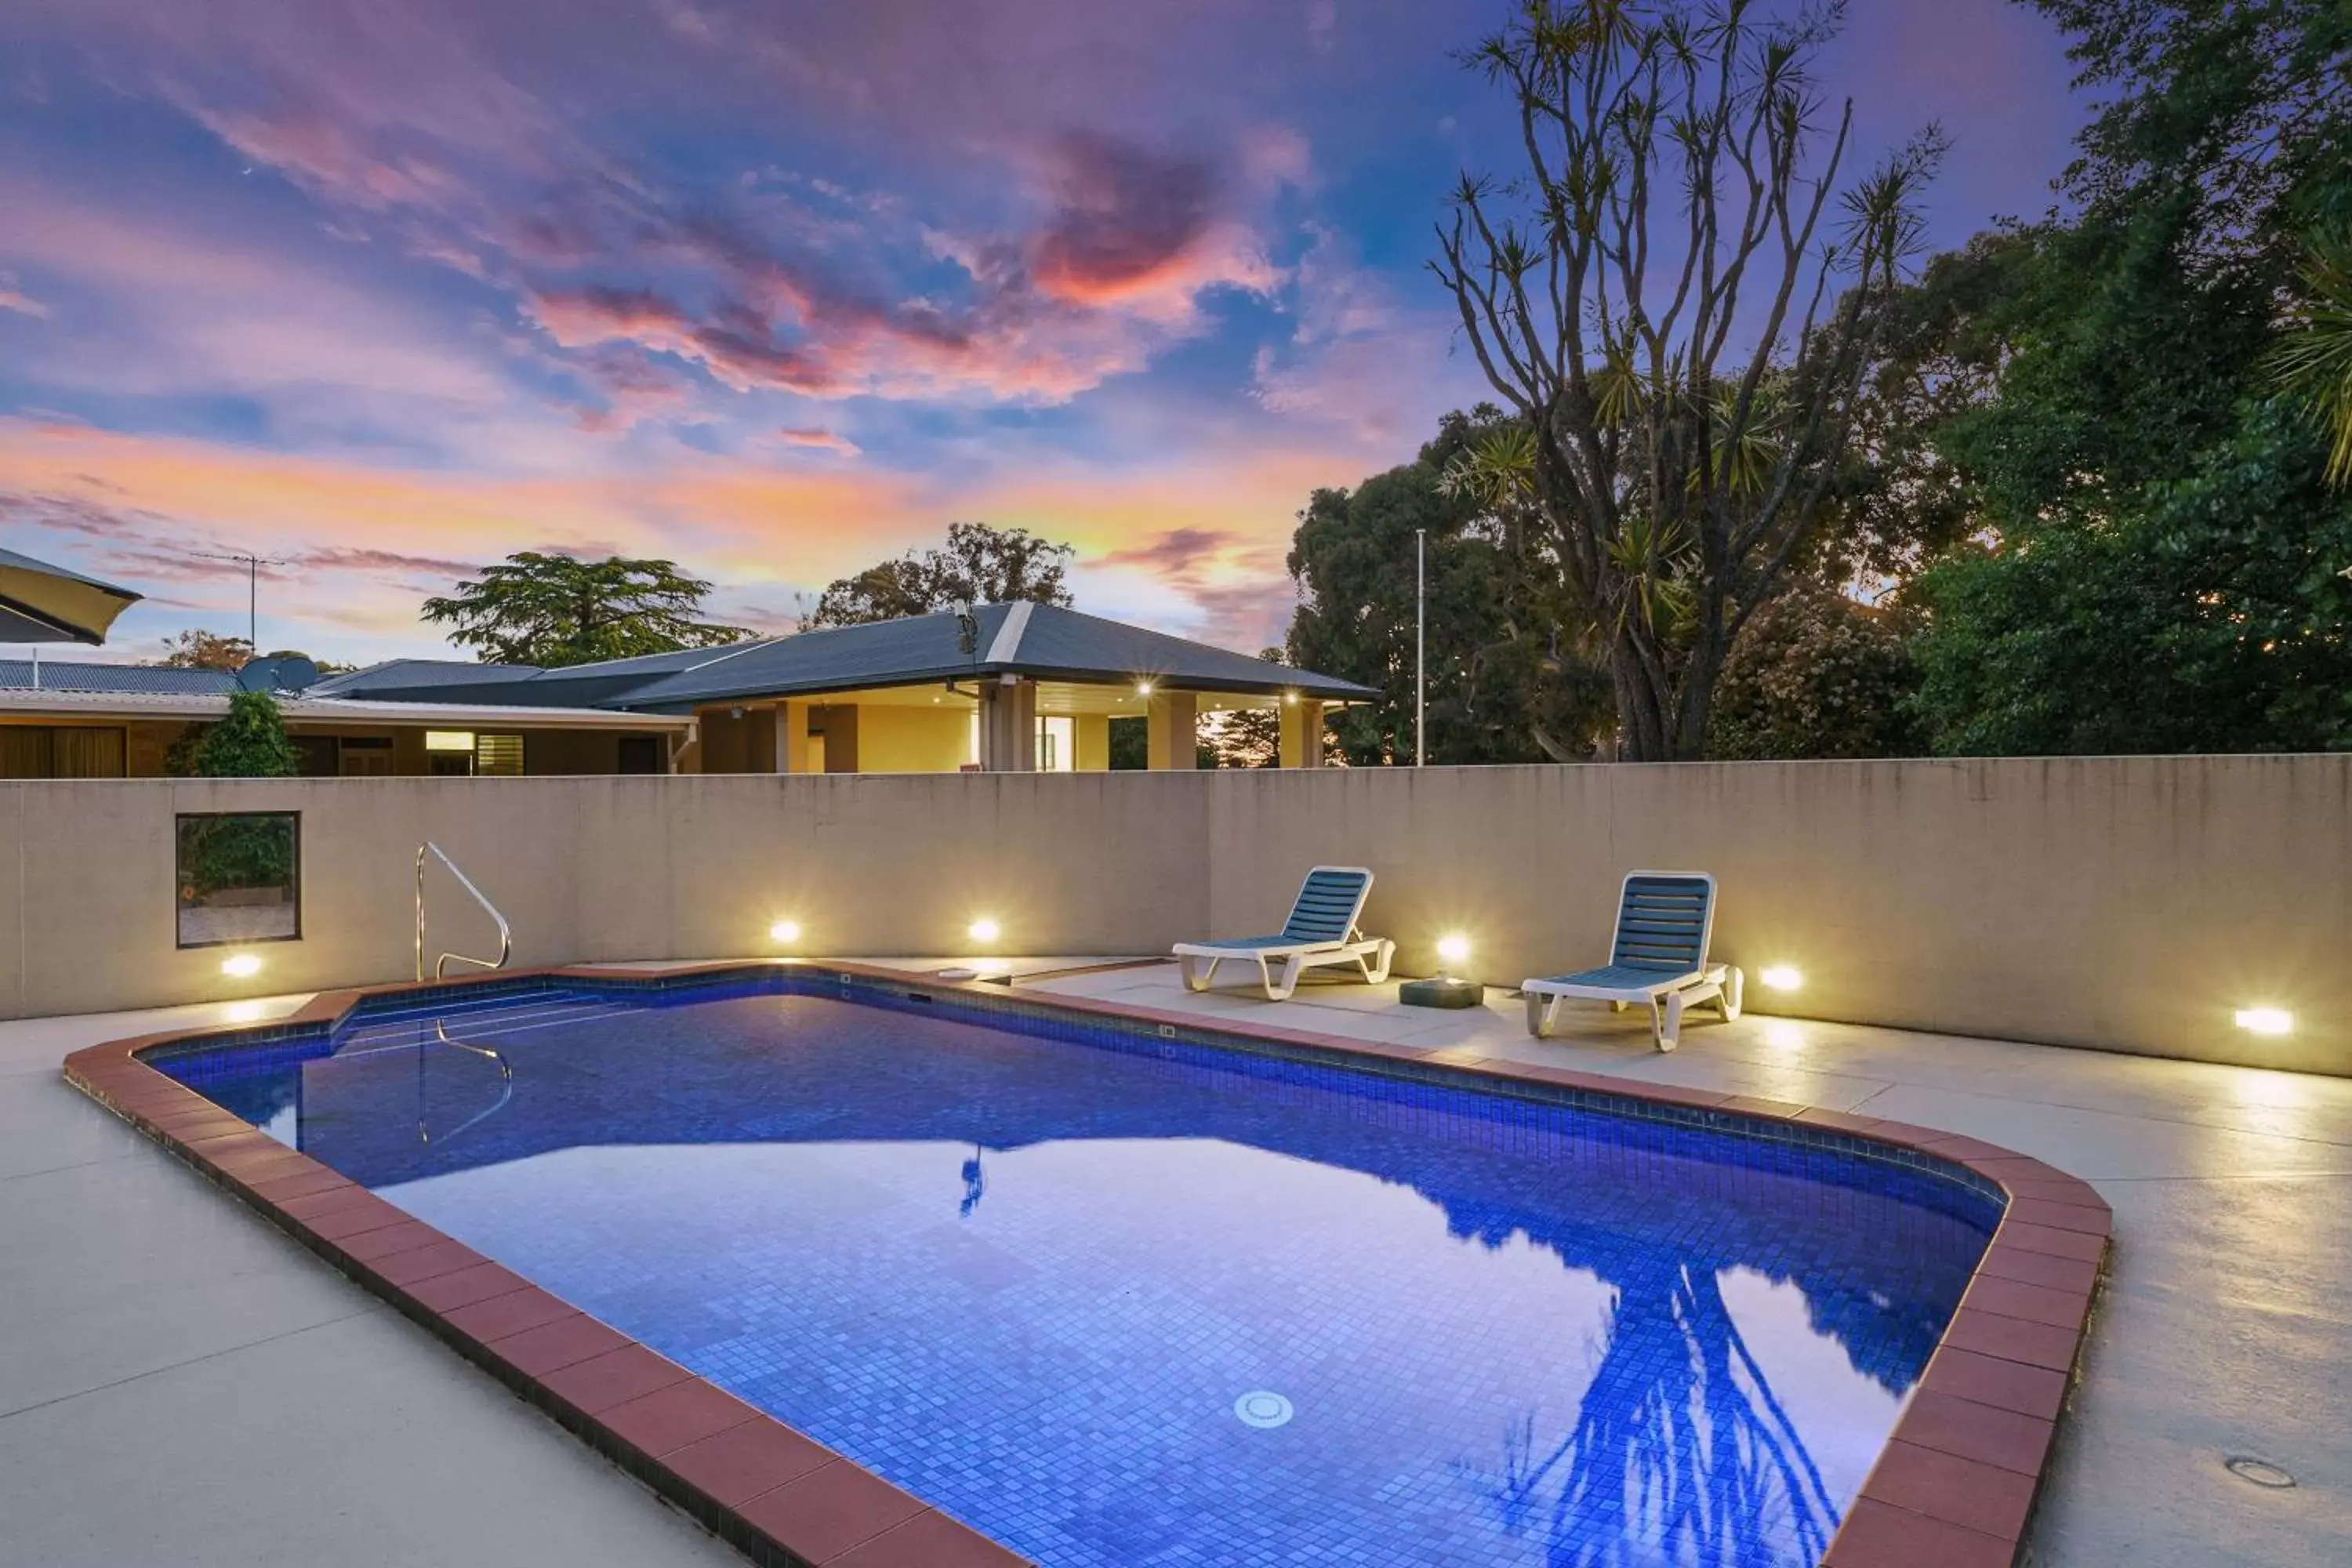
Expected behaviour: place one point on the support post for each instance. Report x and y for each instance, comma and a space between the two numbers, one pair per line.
1008, 726
1175, 720
1090, 744
1302, 733
792, 737
1420, 644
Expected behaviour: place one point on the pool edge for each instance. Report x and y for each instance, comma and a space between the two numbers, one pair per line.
1954, 1487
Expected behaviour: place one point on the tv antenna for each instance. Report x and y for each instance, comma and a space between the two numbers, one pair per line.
253, 564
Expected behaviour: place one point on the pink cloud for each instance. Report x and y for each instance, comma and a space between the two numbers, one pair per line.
820, 440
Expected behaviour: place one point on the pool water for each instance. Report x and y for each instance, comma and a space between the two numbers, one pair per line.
1121, 1301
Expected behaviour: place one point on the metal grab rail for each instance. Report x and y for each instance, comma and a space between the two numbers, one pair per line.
441, 964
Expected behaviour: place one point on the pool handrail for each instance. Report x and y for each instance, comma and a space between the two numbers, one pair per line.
441, 964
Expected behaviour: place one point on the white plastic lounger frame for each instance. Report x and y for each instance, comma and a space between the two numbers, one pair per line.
1322, 932
1657, 958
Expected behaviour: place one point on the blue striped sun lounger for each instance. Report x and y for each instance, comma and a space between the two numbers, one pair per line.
1657, 958
1321, 930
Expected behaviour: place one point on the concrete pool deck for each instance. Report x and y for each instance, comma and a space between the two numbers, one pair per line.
158, 1329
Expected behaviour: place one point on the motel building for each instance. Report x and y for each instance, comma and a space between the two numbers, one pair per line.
1015, 687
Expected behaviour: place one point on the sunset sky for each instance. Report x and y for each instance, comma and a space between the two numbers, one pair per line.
776, 288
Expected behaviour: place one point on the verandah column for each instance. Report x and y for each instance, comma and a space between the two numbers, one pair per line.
1175, 720
1302, 733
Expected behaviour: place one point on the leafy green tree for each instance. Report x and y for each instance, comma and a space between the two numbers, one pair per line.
978, 565
250, 742
1130, 744
2314, 362
1817, 674
199, 650
1679, 475
2157, 565
1507, 680
552, 610
1244, 737
2215, 617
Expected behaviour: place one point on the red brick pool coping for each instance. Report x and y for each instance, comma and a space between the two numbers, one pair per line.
1953, 1488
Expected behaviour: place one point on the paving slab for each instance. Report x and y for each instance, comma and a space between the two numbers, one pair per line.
181, 1384
360, 1443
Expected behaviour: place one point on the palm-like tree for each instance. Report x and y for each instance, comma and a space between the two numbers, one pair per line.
2314, 364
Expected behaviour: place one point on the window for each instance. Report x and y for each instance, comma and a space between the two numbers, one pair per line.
42, 751
238, 877
365, 757
497, 756
321, 755
1055, 745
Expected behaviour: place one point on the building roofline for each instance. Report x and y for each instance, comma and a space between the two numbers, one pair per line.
26, 702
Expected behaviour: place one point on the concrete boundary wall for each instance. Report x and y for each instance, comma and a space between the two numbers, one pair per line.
2123, 903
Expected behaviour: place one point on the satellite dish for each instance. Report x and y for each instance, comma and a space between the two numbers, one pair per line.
283, 672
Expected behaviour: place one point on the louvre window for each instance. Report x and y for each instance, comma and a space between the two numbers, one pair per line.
497, 756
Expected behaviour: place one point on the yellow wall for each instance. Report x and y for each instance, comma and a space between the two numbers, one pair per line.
894, 740
2129, 903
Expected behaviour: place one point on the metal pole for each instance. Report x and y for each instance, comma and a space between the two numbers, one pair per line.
253, 605
1419, 643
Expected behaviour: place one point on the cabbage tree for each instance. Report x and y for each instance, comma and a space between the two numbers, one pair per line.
1679, 292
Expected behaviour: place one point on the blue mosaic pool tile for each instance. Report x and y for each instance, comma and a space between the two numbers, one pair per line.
1023, 1263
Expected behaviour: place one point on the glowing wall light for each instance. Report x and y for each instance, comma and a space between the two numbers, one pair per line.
1780, 977
1143, 688
784, 933
2265, 1020
241, 965
984, 929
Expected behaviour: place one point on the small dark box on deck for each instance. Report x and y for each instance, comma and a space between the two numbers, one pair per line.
1441, 993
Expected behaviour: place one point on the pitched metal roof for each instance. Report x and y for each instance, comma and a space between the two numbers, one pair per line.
1043, 641
430, 679
85, 675
302, 710
1023, 639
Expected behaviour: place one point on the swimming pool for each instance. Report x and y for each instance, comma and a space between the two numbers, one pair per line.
1118, 1299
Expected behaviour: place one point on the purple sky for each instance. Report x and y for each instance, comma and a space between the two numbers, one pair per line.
775, 288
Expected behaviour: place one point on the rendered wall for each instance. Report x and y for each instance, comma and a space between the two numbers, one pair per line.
2126, 903
898, 740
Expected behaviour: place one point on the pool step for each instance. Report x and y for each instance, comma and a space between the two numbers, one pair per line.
470, 1024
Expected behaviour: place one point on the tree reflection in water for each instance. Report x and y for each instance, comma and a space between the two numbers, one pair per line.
1680, 1453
